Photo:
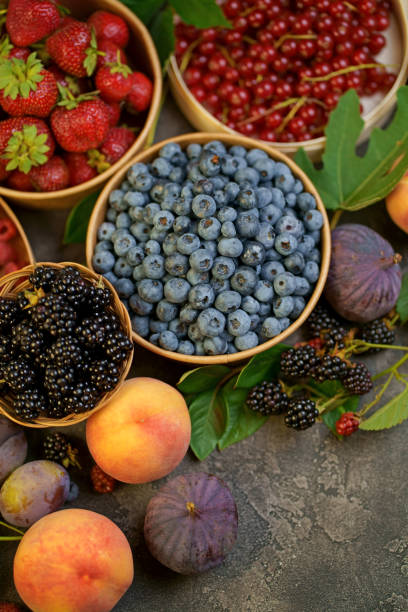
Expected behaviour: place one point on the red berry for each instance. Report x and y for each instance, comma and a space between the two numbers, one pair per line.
109, 26
101, 482
210, 80
217, 63
347, 424
12, 266
141, 91
7, 230
110, 49
192, 76
198, 92
117, 142
79, 169
239, 96
273, 120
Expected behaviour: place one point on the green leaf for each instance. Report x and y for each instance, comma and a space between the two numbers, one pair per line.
162, 31
330, 418
392, 413
207, 422
202, 379
78, 219
351, 182
241, 422
200, 13
144, 9
261, 367
402, 302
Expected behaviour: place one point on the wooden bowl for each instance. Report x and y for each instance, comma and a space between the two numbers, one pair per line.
13, 283
20, 242
98, 216
378, 108
142, 54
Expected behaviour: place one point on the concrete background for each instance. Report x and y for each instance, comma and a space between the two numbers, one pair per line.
322, 523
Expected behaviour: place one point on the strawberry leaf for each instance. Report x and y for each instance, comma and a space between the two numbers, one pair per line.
200, 13
402, 302
347, 180
392, 413
78, 219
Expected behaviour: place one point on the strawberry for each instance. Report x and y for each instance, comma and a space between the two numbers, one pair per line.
75, 85
113, 81
21, 53
26, 88
51, 176
28, 21
19, 181
140, 94
110, 53
117, 142
24, 142
79, 169
3, 173
109, 26
81, 123
74, 49
114, 113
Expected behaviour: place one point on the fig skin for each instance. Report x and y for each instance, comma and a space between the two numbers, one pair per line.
364, 278
13, 447
191, 524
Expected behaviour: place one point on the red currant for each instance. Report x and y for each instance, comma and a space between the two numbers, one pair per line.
274, 119
376, 43
309, 113
231, 74
268, 135
281, 64
198, 92
232, 8
383, 21
217, 63
225, 90
192, 76
239, 96
209, 34
233, 37
264, 90
307, 48
246, 67
210, 80
289, 47
297, 126
256, 19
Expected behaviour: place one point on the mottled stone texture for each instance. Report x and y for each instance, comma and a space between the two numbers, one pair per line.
323, 523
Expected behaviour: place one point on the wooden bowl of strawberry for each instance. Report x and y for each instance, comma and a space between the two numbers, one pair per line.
15, 250
80, 88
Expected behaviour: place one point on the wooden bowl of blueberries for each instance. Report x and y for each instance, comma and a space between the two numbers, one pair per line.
218, 245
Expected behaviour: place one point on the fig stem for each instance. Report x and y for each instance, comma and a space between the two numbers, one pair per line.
191, 508
335, 219
387, 262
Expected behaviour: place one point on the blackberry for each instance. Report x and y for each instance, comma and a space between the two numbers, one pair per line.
267, 398
66, 351
29, 404
57, 448
55, 408
301, 413
117, 347
299, 362
70, 284
27, 339
84, 397
377, 332
334, 338
7, 350
19, 375
322, 319
329, 368
109, 321
358, 379
98, 298
9, 312
54, 314
43, 277
90, 332
103, 375
59, 381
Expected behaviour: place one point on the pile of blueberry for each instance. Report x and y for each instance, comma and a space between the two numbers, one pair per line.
212, 250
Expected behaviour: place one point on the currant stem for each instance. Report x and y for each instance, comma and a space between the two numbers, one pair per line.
291, 114
188, 54
295, 36
273, 108
329, 76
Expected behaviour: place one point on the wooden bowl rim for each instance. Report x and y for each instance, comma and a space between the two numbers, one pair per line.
157, 80
229, 139
119, 309
29, 252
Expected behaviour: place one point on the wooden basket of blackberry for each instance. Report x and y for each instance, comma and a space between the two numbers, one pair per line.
65, 344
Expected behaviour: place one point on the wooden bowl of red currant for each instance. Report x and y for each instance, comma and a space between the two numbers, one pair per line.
281, 68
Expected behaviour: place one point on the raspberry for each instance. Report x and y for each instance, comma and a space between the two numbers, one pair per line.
57, 448
7, 230
43, 277
301, 413
377, 332
102, 482
267, 398
299, 362
347, 424
358, 379
330, 368
7, 253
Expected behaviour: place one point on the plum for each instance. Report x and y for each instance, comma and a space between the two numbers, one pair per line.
32, 491
13, 447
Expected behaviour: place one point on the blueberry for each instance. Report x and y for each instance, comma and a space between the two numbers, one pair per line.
138, 273
181, 224
195, 277
122, 245
247, 224
247, 341
311, 271
177, 175
150, 290
140, 231
201, 296
140, 325
166, 311
157, 191
228, 301
176, 264
231, 191
136, 213
139, 306
153, 266
103, 261
103, 245
203, 206
230, 164
284, 180
290, 225
188, 243
228, 229
119, 233
247, 175
250, 305
316, 235
163, 220
157, 235
194, 173
194, 333
215, 346
170, 244
171, 193
237, 151
313, 220
285, 243
253, 253
193, 151
298, 307
298, 187
215, 146
111, 277
168, 341
283, 306
247, 198
284, 283
266, 235
152, 247
230, 247
158, 327
211, 246
144, 182
302, 286
135, 199
204, 186
169, 150
239, 323
135, 170
264, 310
266, 168
154, 339
209, 228
271, 269
223, 268
161, 167
220, 198
116, 200
255, 321
264, 196
201, 260
271, 327
150, 211
106, 230
227, 213
199, 348
220, 285
186, 347
182, 206
253, 155
111, 214
295, 262
263, 291
291, 199
122, 269
176, 290
306, 244
123, 221
306, 201
124, 287
244, 280
211, 322
188, 314
210, 163
314, 255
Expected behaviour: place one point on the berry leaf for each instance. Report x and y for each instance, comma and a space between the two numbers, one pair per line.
263, 366
162, 31
392, 413
347, 180
202, 379
241, 421
207, 422
78, 219
200, 13
402, 302
144, 10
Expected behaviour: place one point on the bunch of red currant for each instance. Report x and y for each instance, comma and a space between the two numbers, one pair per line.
283, 66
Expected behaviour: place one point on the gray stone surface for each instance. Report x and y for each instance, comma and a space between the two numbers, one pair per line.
322, 523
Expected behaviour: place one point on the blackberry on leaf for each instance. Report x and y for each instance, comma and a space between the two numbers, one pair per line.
29, 404
299, 362
301, 414
330, 368
267, 398
322, 319
377, 332
57, 448
357, 379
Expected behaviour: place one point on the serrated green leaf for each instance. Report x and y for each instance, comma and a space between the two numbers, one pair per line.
162, 31
144, 9
207, 422
202, 379
261, 367
330, 418
78, 219
402, 302
351, 182
200, 13
392, 413
241, 422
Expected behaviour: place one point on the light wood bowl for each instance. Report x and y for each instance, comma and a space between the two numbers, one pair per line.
10, 285
143, 56
98, 216
378, 108
20, 242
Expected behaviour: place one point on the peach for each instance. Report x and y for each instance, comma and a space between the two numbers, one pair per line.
73, 561
142, 434
397, 204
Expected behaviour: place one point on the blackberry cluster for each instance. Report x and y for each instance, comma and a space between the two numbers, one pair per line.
358, 379
377, 332
324, 323
299, 362
61, 348
301, 413
329, 368
267, 398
